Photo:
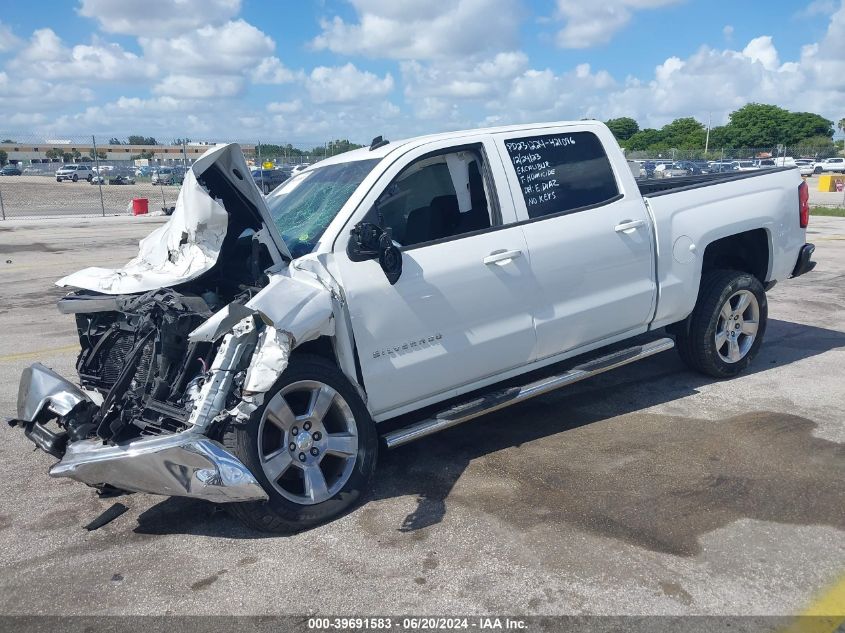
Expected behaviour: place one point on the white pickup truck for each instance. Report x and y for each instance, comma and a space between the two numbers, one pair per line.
253, 351
830, 165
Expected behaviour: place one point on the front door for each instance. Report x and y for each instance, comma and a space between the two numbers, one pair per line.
461, 310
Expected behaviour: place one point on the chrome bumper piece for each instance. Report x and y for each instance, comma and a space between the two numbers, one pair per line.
186, 464
41, 387
182, 465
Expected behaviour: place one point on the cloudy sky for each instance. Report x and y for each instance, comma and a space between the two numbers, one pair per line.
303, 72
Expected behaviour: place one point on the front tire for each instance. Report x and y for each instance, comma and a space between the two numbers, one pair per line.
75, 178
312, 445
726, 328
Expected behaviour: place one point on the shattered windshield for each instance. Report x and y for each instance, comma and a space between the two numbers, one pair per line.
304, 206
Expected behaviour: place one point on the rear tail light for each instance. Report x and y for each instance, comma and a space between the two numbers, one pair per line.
803, 205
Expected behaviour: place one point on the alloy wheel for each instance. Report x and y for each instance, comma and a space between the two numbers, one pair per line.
736, 329
307, 442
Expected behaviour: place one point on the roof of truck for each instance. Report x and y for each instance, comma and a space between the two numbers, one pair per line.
380, 152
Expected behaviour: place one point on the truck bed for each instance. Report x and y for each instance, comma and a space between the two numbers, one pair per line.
659, 186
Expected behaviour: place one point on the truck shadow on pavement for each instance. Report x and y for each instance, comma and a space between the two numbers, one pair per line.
588, 459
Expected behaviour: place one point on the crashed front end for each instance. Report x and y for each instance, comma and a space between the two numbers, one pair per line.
176, 345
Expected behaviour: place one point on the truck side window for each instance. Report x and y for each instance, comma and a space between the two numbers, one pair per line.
562, 173
435, 198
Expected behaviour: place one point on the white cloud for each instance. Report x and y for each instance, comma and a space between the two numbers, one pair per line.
537, 95
270, 70
817, 8
8, 40
162, 17
728, 31
192, 87
346, 84
285, 107
762, 49
154, 116
46, 57
459, 67
21, 119
461, 78
431, 29
33, 95
592, 23
229, 48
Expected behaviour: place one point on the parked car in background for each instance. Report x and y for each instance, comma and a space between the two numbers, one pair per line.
299, 168
268, 179
118, 176
765, 163
74, 173
719, 166
144, 171
746, 165
669, 170
831, 165
122, 178
167, 176
805, 166
10, 170
693, 168
785, 161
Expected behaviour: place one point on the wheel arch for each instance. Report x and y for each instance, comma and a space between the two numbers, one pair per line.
748, 251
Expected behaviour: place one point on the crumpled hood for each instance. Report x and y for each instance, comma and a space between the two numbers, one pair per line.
189, 244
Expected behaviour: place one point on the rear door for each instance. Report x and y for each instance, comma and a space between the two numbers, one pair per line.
588, 233
461, 310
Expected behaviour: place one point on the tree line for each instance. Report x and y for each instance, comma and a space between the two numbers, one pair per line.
755, 125
331, 148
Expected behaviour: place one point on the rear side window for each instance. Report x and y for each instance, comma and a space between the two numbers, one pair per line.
562, 173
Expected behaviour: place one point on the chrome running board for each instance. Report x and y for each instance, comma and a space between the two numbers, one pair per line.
504, 398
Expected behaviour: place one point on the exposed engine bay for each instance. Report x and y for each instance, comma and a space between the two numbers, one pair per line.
135, 348
183, 340
139, 358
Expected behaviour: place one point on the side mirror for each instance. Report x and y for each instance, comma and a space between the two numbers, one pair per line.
370, 241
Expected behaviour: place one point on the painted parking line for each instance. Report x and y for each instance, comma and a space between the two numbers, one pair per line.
825, 615
42, 352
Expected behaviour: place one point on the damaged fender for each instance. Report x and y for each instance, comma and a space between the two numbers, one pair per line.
294, 309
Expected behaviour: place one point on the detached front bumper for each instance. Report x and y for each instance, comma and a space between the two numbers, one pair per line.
804, 264
182, 465
186, 464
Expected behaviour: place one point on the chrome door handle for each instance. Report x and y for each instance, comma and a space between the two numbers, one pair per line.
628, 225
502, 257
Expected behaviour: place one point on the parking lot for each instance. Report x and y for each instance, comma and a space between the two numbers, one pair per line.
647, 490
41, 196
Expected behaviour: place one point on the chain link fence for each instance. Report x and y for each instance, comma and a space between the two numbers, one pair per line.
95, 175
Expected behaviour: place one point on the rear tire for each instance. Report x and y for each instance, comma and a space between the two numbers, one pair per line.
726, 328
312, 418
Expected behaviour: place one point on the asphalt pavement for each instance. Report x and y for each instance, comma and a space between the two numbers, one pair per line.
646, 490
